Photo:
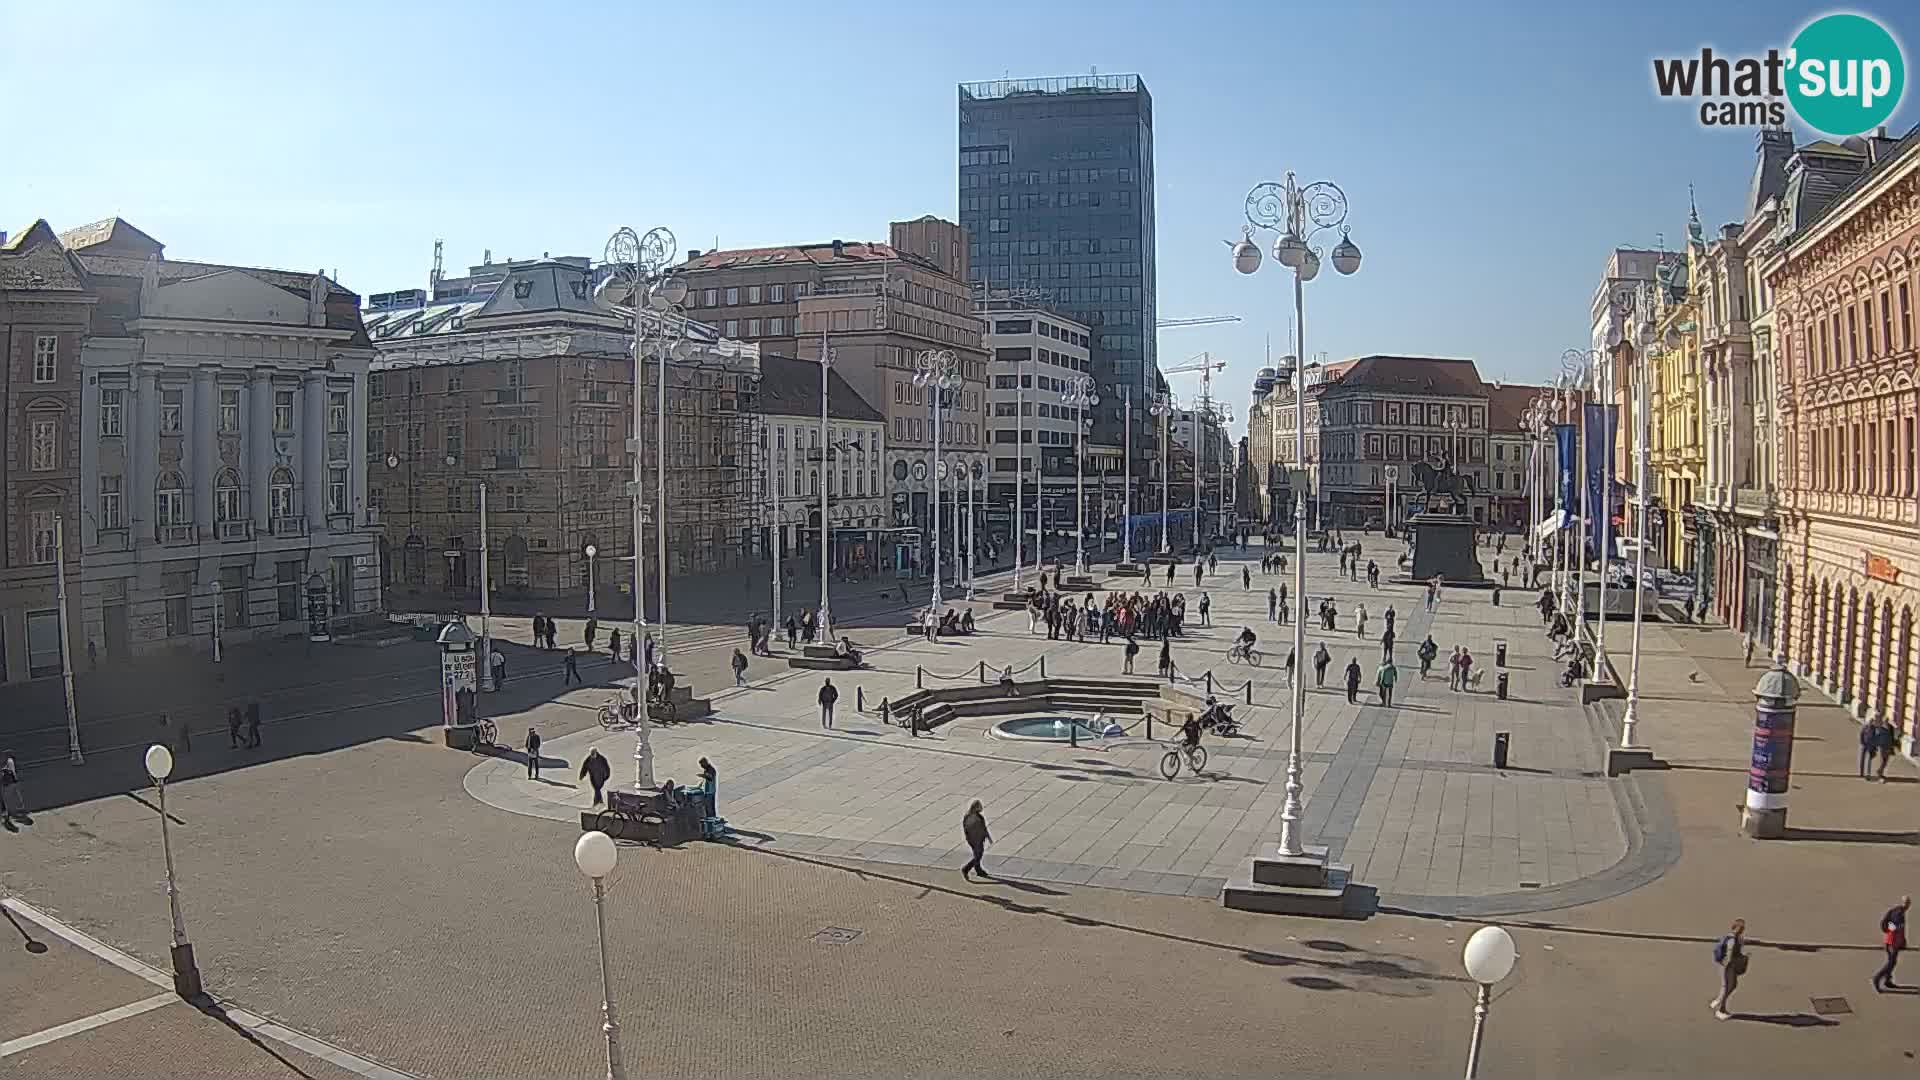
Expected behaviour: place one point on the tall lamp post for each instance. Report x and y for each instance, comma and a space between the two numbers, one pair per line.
1126, 484
974, 473
1630, 721
937, 371
591, 552
595, 854
827, 357
637, 267
1298, 214
1162, 407
1488, 957
186, 976
1080, 397
1596, 378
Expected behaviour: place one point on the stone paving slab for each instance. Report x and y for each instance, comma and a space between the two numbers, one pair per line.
1408, 794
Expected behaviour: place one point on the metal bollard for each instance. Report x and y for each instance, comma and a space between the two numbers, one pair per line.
1209, 682
983, 672
859, 699
1073, 732
1149, 725
1249, 691
1043, 667
919, 681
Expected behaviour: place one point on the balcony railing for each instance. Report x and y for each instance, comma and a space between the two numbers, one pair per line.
289, 526
241, 529
174, 534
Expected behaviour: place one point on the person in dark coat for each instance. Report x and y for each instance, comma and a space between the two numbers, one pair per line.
571, 674
1132, 650
828, 695
595, 770
1353, 681
593, 631
613, 646
253, 724
533, 754
974, 828
233, 727
739, 669
1893, 938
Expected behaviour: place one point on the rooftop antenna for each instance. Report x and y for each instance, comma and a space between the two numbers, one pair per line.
433, 279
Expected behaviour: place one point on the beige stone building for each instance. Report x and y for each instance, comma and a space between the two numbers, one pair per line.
1844, 279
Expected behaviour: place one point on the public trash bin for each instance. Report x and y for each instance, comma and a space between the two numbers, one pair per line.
1500, 739
1499, 652
1500, 686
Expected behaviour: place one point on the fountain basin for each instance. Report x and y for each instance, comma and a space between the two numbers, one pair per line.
1057, 729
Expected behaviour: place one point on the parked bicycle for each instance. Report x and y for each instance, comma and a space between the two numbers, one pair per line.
485, 736
1196, 758
618, 712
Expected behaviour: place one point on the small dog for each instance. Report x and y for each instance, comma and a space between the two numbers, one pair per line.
1474, 677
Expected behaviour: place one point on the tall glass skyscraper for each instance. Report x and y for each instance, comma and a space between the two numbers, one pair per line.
1056, 194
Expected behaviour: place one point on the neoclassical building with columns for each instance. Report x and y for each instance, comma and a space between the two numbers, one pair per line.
222, 450
1845, 282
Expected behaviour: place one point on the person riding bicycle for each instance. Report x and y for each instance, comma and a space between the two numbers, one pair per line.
1190, 732
1244, 643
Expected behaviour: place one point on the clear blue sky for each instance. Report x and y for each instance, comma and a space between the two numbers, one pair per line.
1492, 153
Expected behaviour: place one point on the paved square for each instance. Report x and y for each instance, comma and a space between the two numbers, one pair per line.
1408, 794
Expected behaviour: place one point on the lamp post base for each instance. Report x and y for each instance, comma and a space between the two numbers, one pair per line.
1304, 884
1622, 760
186, 977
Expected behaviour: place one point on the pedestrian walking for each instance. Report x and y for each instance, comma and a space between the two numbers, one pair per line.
592, 631
1747, 651
1353, 681
1166, 658
1169, 574
93, 655
1893, 938
253, 725
499, 662
1360, 621
533, 754
1730, 956
539, 631
1453, 669
739, 668
828, 695
1689, 609
12, 806
572, 672
793, 631
1384, 680
1466, 669
1197, 568
1392, 616
1206, 619
595, 770
1290, 661
1876, 742
1321, 658
1428, 650
1246, 579
1273, 605
647, 650
613, 646
1373, 574
974, 828
233, 727
1132, 650
1386, 646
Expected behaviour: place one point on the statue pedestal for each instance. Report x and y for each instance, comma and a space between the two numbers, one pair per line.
1443, 548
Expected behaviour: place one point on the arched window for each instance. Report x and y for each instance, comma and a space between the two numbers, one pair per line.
281, 489
170, 500
227, 502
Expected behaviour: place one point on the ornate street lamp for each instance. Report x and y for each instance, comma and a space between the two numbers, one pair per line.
938, 372
1162, 406
1080, 397
1298, 214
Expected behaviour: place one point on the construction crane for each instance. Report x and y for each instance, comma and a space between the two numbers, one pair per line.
1204, 415
1204, 320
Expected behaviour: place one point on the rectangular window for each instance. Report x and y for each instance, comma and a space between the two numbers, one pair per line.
169, 412
1886, 322
1853, 336
40, 529
44, 452
753, 294
233, 595
733, 296
776, 294
376, 386
283, 410
710, 298
456, 441
337, 490
776, 327
46, 358
110, 401
733, 327
753, 327
337, 412
286, 590
110, 502
1906, 318
1866, 324
229, 408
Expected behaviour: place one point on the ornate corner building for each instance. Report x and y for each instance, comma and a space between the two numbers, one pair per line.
1844, 278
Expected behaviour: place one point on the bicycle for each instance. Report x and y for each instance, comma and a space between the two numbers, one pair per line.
485, 736
617, 712
1196, 757
1243, 654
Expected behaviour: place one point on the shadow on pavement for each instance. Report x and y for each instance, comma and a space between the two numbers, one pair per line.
1853, 836
1397, 974
1787, 1019
27, 940
212, 1008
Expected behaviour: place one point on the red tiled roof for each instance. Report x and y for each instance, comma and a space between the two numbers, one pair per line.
1452, 376
850, 251
1507, 404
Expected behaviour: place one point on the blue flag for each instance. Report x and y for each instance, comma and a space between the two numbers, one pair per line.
1566, 439
1601, 423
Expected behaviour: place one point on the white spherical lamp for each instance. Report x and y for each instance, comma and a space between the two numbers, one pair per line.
1246, 256
595, 854
1346, 255
1489, 955
1290, 249
1310, 266
674, 290
159, 762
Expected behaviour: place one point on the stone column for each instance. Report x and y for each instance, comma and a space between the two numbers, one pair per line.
202, 462
144, 413
313, 447
259, 447
357, 448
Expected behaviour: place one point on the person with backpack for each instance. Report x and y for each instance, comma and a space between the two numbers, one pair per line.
1321, 658
1730, 956
1428, 650
739, 668
1132, 650
1893, 938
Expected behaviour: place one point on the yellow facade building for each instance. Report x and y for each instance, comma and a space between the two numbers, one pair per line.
1676, 437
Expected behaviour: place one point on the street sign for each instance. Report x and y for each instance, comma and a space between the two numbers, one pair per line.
1392, 474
